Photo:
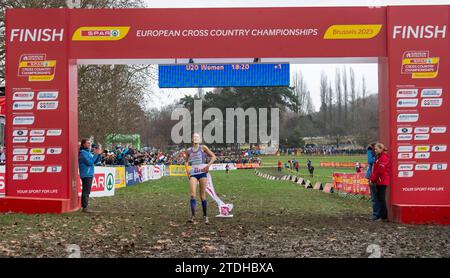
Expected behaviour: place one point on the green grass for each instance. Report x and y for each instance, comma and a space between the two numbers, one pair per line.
158, 209
271, 219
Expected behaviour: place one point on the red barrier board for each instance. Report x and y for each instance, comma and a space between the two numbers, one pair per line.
2, 105
354, 183
342, 164
246, 165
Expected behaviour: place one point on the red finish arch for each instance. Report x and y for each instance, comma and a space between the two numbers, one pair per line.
44, 47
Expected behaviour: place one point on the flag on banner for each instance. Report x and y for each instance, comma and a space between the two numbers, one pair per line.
224, 209
157, 169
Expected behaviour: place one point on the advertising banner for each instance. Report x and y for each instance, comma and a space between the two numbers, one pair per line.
222, 167
2, 181
120, 180
40, 133
342, 164
177, 170
354, 183
419, 113
246, 165
145, 172
156, 172
302, 32
103, 183
132, 175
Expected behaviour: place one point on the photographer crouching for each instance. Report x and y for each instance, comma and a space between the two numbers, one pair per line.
86, 162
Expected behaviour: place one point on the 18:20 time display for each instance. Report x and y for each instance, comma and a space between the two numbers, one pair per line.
240, 66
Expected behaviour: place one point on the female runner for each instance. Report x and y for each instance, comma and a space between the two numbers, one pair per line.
196, 159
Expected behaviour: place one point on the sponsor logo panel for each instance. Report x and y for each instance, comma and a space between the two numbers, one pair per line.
47, 96
407, 93
23, 105
423, 167
23, 95
407, 118
23, 120
431, 93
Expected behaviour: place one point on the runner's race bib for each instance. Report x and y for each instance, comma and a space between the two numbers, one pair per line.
197, 169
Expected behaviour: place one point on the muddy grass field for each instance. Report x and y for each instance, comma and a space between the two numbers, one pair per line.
271, 219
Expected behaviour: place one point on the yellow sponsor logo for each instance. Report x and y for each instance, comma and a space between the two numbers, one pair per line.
352, 32
422, 148
120, 177
100, 33
37, 151
177, 171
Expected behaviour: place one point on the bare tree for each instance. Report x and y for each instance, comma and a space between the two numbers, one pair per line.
330, 107
338, 89
353, 93
364, 90
324, 96
305, 105
345, 87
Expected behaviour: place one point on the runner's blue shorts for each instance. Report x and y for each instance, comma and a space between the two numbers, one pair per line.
199, 176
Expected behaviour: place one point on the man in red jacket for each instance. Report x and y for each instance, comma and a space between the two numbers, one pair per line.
380, 177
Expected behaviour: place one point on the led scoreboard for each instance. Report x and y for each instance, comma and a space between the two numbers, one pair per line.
223, 75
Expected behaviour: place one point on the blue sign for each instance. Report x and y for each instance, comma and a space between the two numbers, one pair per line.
132, 175
223, 75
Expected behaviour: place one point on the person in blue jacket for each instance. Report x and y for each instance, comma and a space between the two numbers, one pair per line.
371, 158
86, 163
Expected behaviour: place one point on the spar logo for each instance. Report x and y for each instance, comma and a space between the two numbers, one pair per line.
109, 182
102, 182
100, 33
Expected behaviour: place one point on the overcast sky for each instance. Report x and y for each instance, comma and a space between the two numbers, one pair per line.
311, 72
